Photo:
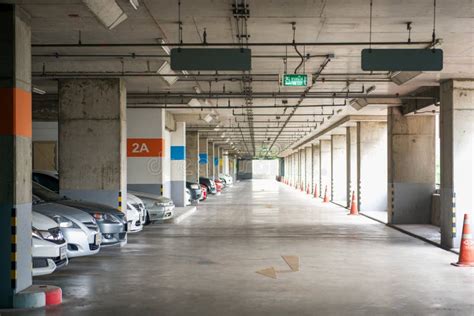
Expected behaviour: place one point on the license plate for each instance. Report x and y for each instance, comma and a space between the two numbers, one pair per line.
62, 252
129, 226
98, 239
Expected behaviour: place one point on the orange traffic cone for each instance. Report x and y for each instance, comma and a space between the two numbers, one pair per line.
466, 253
354, 210
326, 198
315, 190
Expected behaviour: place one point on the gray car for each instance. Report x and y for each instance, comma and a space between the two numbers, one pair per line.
159, 208
112, 223
82, 234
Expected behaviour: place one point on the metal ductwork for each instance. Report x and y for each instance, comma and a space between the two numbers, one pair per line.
108, 12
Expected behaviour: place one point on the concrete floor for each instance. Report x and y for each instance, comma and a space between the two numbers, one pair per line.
206, 264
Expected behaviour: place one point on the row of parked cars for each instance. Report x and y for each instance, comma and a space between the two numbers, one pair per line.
63, 228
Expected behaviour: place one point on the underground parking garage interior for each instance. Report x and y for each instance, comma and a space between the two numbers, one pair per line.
236, 157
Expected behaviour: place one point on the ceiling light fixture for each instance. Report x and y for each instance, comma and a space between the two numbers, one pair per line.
400, 77
108, 12
134, 4
164, 46
165, 69
38, 91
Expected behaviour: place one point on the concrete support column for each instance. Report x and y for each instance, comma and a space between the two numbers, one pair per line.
309, 168
192, 156
203, 157
316, 169
225, 160
92, 140
372, 166
146, 150
457, 156
351, 140
411, 167
15, 153
325, 166
219, 162
212, 154
338, 169
302, 155
178, 164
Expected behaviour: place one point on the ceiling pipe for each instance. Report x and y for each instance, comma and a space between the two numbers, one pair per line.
135, 56
231, 44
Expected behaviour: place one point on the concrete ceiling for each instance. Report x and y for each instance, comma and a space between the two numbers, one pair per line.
338, 21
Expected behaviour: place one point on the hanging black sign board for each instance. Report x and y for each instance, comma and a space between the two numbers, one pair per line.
402, 59
238, 59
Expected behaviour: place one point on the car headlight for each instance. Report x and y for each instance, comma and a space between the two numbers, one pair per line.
106, 217
62, 221
53, 234
158, 204
36, 233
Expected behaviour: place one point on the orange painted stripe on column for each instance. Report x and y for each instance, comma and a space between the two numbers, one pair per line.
15, 112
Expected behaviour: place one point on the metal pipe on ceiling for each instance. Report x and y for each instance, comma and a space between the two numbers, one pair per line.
144, 105
231, 44
135, 56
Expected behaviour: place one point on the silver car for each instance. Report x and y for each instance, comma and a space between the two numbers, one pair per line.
81, 231
159, 208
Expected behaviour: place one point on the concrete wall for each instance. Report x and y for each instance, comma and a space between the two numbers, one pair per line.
338, 169
92, 140
325, 166
411, 167
372, 166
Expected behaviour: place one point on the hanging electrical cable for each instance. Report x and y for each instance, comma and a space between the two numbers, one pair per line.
296, 47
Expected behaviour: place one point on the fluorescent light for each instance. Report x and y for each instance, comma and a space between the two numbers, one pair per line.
359, 103
208, 118
134, 4
38, 91
185, 73
164, 47
194, 102
108, 12
165, 69
400, 77
197, 89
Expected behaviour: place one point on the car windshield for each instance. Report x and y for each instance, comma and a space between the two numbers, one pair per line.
45, 194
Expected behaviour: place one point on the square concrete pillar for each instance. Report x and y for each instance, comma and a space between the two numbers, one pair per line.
212, 153
178, 164
351, 140
411, 167
218, 163
325, 167
316, 170
372, 166
15, 153
338, 169
457, 156
309, 169
147, 152
192, 156
92, 140
203, 157
302, 173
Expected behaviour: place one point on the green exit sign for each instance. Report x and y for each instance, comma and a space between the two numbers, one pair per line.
295, 80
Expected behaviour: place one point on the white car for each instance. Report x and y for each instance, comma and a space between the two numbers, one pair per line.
228, 179
80, 229
134, 224
49, 249
139, 205
188, 199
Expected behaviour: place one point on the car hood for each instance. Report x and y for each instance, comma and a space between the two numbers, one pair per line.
42, 222
89, 207
157, 198
133, 199
52, 209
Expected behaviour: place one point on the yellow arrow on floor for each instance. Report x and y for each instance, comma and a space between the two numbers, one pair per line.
293, 262
268, 272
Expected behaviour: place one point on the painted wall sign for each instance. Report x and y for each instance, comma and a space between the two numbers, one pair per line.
211, 59
145, 147
202, 159
178, 153
402, 59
